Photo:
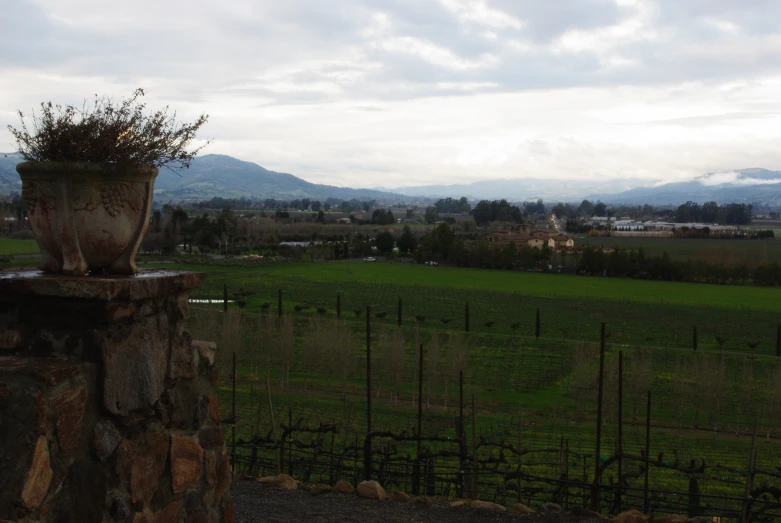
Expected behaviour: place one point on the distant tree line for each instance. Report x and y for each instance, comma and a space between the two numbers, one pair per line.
689, 212
534, 208
452, 206
707, 232
383, 217
442, 244
303, 204
630, 263
498, 210
711, 212
12, 207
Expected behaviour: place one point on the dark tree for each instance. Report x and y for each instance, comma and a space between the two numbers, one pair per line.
384, 242
407, 242
431, 215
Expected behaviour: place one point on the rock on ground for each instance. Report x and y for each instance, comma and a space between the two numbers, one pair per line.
520, 508
343, 487
487, 505
280, 481
631, 516
371, 490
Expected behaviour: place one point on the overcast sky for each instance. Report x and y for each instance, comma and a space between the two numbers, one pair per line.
411, 92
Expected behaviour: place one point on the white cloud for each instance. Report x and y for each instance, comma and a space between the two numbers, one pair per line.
724, 26
475, 11
435, 54
734, 178
607, 42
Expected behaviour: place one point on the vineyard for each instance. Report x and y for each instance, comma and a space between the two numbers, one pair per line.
505, 415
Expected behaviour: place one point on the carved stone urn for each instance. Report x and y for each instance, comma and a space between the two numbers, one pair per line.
87, 216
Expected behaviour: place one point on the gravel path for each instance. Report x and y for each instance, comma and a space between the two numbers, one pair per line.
258, 503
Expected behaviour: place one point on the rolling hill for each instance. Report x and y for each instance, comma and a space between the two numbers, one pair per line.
224, 176
9, 178
522, 189
743, 186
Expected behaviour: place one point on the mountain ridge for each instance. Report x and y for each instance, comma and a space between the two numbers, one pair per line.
217, 175
752, 185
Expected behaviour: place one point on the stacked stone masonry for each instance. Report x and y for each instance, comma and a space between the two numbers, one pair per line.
107, 406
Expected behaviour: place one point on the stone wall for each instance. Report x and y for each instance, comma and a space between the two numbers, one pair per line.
107, 406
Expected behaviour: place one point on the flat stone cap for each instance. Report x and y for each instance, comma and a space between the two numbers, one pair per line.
147, 283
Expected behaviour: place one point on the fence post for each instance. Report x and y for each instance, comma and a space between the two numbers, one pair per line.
338, 306
620, 429
647, 452
367, 457
537, 325
520, 453
694, 337
273, 429
752, 456
399, 313
233, 424
416, 468
778, 341
461, 433
475, 467
279, 303
597, 458
290, 442
368, 370
224, 297
466, 317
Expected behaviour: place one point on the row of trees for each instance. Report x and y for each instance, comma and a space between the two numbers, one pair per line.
711, 212
303, 204
689, 212
485, 211
586, 209
497, 210
630, 263
383, 217
452, 206
443, 245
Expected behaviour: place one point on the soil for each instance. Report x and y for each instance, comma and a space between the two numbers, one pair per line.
257, 503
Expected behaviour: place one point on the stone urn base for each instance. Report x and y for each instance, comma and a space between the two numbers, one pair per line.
107, 406
87, 216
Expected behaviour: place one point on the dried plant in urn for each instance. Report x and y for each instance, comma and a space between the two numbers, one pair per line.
89, 174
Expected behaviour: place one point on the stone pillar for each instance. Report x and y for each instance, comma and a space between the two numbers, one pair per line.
107, 406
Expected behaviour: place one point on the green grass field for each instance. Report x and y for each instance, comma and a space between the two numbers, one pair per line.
536, 284
571, 307
11, 247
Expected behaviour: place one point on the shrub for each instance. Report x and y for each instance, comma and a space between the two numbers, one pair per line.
108, 131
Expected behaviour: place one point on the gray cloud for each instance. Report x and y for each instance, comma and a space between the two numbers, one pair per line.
266, 70
423, 43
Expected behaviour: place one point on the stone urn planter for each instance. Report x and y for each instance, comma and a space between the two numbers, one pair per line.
87, 216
